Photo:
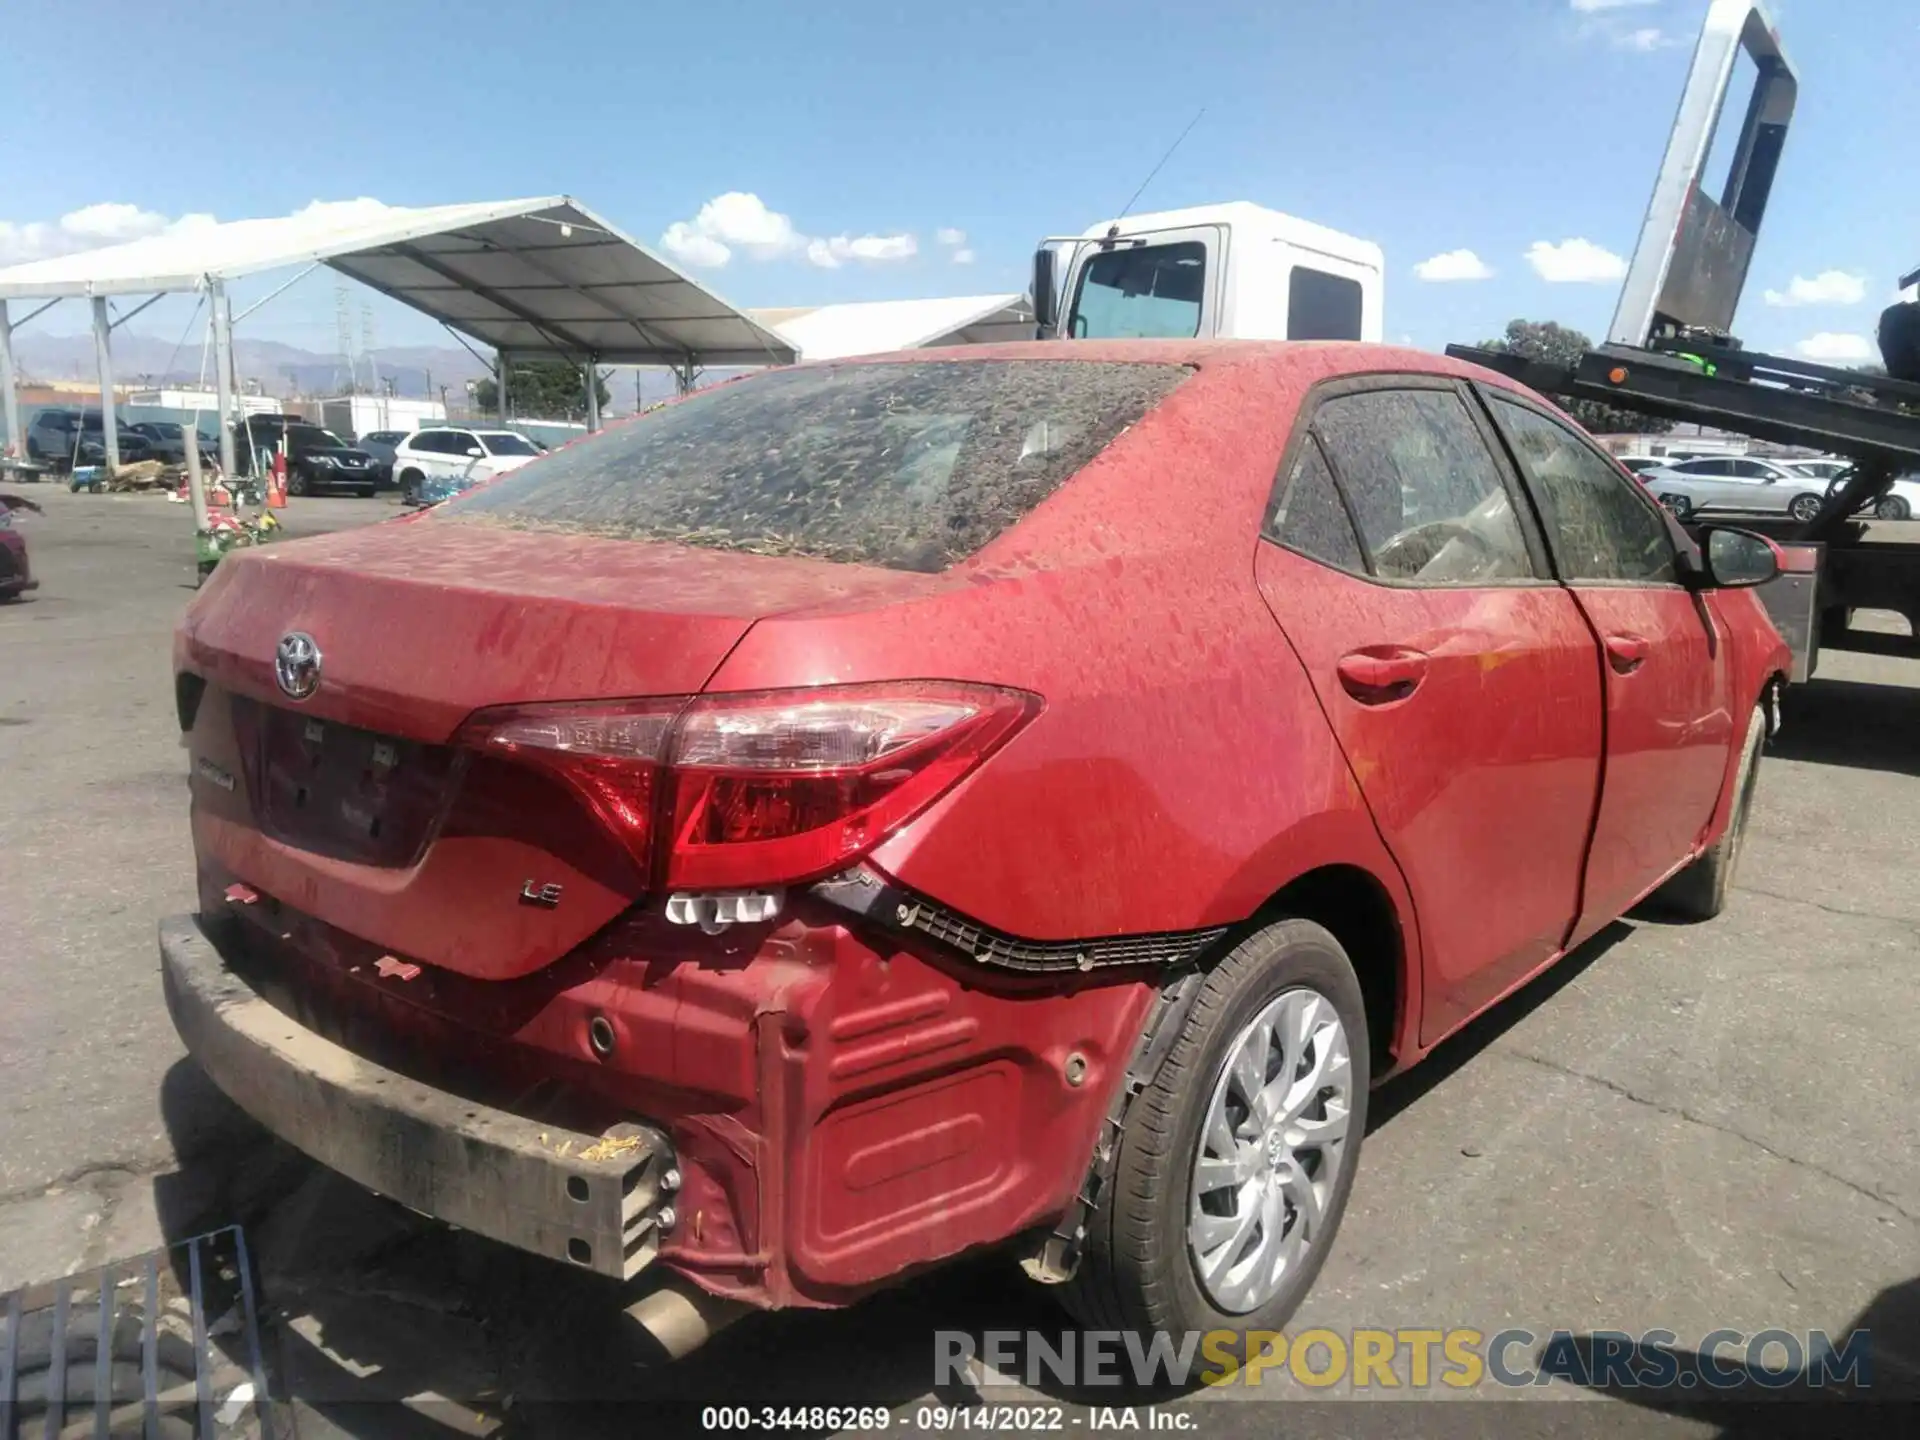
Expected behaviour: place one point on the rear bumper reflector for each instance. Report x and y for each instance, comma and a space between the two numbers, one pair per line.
595, 1202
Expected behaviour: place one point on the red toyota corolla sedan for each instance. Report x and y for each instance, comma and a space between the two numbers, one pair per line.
873, 810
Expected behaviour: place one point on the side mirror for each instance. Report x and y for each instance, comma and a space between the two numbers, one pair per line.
1045, 317
475, 451
1738, 559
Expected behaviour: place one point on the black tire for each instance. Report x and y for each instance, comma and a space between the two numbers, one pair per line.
1804, 507
1136, 1271
1700, 891
365, 492
1892, 507
1680, 506
409, 487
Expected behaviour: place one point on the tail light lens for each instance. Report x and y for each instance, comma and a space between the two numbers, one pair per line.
771, 788
607, 754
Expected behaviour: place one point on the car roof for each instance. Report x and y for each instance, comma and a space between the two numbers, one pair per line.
1348, 355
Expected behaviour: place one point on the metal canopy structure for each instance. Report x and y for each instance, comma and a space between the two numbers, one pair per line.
534, 279
832, 332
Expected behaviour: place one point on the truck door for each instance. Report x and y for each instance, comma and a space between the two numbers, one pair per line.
1670, 719
1461, 680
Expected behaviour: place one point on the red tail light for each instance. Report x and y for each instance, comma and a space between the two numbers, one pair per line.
608, 754
772, 788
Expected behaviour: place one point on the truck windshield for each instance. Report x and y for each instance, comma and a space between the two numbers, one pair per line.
1146, 292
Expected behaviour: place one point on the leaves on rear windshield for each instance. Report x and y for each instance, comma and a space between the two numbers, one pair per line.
911, 466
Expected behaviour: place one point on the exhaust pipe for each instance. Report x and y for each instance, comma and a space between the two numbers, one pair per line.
681, 1317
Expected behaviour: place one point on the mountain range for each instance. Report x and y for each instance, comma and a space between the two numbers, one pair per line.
418, 371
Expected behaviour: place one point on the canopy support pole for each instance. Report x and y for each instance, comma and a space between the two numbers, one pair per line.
591, 370
12, 442
223, 371
103, 353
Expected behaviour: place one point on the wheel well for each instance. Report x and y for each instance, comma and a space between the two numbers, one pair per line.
409, 474
1357, 910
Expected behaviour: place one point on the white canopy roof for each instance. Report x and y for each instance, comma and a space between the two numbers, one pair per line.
532, 277
830, 332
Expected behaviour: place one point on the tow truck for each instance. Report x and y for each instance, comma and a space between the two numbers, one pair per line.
1240, 271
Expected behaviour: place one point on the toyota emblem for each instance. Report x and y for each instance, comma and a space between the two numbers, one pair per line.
296, 664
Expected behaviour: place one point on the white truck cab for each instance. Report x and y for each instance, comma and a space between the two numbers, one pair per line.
1234, 271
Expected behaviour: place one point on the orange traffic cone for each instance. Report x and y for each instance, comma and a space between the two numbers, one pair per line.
277, 482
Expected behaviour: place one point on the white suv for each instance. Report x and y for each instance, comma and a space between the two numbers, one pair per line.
430, 465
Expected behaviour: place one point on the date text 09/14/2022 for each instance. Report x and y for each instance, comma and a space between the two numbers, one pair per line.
942, 1418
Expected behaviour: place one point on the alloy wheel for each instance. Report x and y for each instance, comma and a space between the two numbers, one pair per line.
1271, 1147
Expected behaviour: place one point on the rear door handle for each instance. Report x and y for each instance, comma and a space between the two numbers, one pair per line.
1626, 653
1382, 675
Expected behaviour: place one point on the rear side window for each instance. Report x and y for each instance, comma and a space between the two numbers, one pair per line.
1311, 517
1601, 525
1423, 488
911, 466
1322, 306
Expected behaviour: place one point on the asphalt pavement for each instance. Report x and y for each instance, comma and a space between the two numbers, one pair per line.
1686, 1128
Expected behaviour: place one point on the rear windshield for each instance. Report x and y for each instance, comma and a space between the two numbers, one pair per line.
911, 466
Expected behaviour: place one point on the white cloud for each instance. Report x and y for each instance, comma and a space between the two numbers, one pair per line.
1594, 7
1829, 287
91, 227
114, 222
1574, 262
1830, 348
740, 221
956, 242
1646, 39
683, 242
342, 212
830, 253
1454, 265
736, 220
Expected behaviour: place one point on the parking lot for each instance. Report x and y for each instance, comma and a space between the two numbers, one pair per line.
1681, 1128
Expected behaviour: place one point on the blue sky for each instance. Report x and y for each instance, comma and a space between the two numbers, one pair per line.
1430, 126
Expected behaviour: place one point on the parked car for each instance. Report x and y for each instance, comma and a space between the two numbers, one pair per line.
432, 464
64, 438
317, 459
1824, 468
16, 575
168, 441
1901, 502
1738, 484
866, 813
380, 445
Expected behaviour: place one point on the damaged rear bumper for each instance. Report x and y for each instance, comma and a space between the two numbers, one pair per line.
594, 1202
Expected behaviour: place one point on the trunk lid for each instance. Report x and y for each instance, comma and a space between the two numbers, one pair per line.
351, 805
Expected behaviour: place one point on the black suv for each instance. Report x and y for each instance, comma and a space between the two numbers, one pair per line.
61, 438
317, 459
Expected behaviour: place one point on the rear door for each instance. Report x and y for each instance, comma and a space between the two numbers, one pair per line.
1461, 679
432, 455
1670, 719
